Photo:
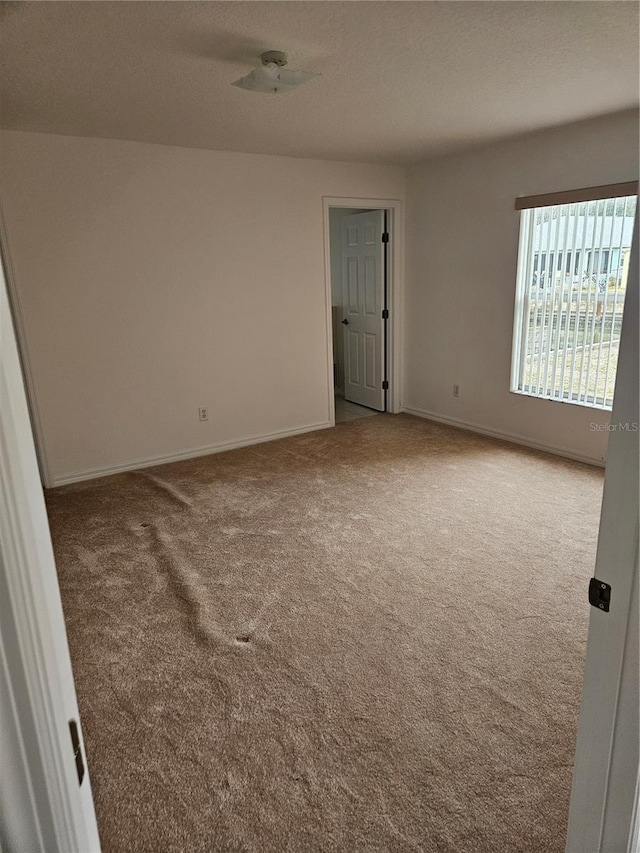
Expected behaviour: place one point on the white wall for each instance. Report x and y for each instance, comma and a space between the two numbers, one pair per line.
462, 246
153, 280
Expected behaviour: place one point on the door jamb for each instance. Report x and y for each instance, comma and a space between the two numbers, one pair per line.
395, 291
34, 656
603, 813
30, 385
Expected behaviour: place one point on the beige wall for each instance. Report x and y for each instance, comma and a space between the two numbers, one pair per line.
462, 246
154, 280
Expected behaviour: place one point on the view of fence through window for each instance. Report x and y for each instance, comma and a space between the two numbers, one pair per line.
572, 278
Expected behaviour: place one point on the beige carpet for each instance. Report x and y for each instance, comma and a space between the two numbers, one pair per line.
369, 638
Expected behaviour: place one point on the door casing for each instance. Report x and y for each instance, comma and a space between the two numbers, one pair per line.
395, 291
603, 815
56, 813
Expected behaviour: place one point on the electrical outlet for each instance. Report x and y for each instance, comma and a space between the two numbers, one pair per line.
456, 390
203, 413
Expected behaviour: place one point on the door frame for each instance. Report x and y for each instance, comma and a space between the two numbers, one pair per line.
395, 292
603, 814
38, 699
24, 355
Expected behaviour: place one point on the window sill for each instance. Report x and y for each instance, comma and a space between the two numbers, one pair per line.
599, 406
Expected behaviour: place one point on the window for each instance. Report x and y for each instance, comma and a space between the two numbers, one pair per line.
572, 275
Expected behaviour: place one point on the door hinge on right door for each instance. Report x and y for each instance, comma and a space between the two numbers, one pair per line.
385, 313
77, 750
385, 385
385, 237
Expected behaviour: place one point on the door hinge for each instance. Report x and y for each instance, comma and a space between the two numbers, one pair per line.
77, 750
599, 594
385, 385
385, 313
385, 237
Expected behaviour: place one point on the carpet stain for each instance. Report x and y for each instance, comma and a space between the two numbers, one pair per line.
367, 639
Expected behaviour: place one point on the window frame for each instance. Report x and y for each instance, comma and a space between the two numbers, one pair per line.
531, 262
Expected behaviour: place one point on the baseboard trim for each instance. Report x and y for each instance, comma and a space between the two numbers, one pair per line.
513, 438
149, 462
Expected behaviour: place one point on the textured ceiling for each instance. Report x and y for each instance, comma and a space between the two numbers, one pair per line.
400, 80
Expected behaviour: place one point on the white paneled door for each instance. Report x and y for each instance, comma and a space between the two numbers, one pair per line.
363, 303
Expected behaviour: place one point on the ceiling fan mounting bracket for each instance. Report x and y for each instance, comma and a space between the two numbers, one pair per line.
277, 57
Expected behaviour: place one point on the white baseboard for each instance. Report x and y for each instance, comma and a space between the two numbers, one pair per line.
94, 473
566, 452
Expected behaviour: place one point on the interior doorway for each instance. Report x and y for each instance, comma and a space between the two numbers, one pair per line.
359, 239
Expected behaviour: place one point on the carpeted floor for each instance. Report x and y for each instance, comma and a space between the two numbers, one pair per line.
369, 638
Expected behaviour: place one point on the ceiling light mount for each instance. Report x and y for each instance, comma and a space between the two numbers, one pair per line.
277, 57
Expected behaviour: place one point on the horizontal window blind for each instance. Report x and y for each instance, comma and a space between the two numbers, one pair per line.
572, 277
